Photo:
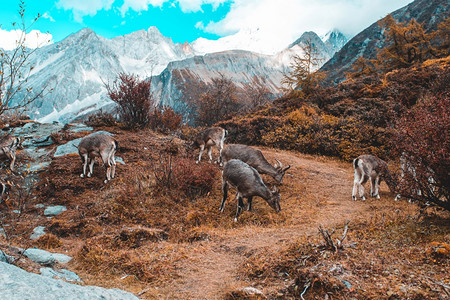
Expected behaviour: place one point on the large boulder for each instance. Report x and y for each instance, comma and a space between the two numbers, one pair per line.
16, 283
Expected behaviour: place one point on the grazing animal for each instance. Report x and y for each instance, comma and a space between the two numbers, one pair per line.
248, 183
8, 148
98, 145
255, 159
373, 168
214, 136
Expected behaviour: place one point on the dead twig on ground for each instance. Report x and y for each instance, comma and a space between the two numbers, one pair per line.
442, 285
329, 240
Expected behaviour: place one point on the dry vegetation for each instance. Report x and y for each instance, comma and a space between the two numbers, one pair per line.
164, 240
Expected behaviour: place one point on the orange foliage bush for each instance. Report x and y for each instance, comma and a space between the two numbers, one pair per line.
166, 120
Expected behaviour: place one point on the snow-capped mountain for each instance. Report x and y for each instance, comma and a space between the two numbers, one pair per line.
76, 68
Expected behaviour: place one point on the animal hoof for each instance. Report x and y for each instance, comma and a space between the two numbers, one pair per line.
378, 197
354, 198
363, 198
89, 175
82, 175
106, 181
235, 220
197, 162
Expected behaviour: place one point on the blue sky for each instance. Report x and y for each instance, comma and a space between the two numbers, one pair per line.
280, 21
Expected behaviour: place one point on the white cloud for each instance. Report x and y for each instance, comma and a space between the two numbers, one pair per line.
34, 39
47, 16
185, 5
81, 8
283, 21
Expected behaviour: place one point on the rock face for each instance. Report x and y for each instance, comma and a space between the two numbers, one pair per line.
76, 68
16, 283
367, 42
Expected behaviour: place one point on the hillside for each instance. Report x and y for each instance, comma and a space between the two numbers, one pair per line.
157, 242
371, 39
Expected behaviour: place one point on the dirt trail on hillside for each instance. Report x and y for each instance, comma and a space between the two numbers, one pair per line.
316, 192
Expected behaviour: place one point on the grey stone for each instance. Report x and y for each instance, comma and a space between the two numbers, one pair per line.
54, 210
43, 257
68, 148
78, 127
16, 284
61, 274
5, 258
119, 160
37, 232
40, 205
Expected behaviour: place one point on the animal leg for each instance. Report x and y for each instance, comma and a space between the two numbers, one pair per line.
84, 158
107, 162
361, 187
113, 166
225, 194
202, 148
210, 154
377, 187
355, 185
240, 206
249, 203
91, 166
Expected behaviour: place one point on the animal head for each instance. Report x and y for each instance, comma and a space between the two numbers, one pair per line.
280, 171
274, 200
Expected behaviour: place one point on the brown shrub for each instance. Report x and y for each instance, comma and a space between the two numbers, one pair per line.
166, 120
48, 241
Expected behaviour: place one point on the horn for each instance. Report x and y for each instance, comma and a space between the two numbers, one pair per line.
279, 163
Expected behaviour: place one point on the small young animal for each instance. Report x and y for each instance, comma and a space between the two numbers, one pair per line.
208, 138
8, 148
255, 159
248, 184
98, 145
373, 168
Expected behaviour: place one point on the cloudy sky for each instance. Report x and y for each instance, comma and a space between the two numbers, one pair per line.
280, 21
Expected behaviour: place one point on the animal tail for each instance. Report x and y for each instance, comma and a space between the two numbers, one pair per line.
355, 163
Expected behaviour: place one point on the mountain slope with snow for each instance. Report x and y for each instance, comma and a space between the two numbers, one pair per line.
76, 68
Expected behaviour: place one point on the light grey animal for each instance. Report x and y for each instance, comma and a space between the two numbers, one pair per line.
8, 148
254, 158
371, 167
98, 145
248, 183
214, 136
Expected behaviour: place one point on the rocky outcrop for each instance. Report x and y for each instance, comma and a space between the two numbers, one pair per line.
17, 284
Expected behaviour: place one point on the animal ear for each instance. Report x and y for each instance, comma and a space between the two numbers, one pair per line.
274, 189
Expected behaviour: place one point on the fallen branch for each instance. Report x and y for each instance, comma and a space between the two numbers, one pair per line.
329, 240
444, 286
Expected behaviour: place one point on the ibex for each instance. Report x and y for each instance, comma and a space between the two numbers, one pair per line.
98, 145
255, 159
208, 138
373, 168
248, 184
8, 148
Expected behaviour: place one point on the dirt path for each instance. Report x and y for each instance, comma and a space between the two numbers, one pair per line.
317, 192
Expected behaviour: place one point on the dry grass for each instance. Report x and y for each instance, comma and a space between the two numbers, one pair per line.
164, 243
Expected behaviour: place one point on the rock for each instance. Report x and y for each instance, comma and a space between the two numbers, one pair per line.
68, 148
37, 232
43, 257
54, 210
5, 258
119, 160
78, 127
17, 284
40, 205
61, 274
251, 291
